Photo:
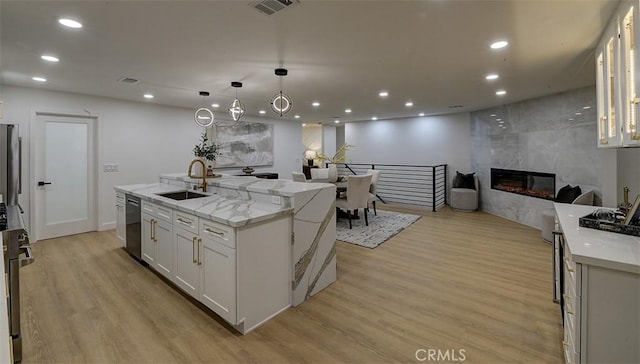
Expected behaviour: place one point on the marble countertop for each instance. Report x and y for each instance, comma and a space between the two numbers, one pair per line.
596, 247
228, 211
278, 187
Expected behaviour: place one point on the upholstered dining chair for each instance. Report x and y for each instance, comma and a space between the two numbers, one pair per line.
357, 196
373, 188
298, 177
320, 173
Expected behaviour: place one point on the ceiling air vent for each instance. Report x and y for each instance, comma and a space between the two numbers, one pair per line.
128, 80
272, 6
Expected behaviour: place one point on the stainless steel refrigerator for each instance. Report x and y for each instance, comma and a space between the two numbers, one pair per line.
10, 171
15, 239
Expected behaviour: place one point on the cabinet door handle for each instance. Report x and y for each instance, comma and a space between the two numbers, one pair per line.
151, 230
193, 249
199, 243
184, 222
210, 231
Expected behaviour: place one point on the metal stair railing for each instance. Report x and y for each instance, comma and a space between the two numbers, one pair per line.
404, 184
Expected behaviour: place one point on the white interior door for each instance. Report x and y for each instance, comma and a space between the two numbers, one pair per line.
64, 175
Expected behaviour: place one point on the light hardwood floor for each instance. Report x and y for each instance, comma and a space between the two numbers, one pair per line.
452, 280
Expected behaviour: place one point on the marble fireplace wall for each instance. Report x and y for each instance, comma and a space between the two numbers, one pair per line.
551, 134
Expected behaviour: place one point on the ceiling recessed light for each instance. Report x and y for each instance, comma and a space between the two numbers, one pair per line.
39, 79
315, 104
492, 115
501, 92
70, 23
49, 58
578, 113
421, 114
262, 112
336, 121
492, 76
348, 111
297, 116
303, 124
374, 118
586, 107
498, 119
148, 96
408, 104
383, 94
570, 119
215, 105
499, 44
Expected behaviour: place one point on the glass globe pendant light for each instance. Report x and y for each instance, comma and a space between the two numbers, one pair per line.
203, 116
236, 108
281, 103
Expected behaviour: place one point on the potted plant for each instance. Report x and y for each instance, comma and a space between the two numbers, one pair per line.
206, 150
339, 157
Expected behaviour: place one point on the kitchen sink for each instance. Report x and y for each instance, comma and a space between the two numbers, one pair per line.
182, 195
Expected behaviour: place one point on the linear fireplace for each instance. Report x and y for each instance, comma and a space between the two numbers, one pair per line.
534, 184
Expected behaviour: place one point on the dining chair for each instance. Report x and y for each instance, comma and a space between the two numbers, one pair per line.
357, 196
298, 177
373, 188
320, 173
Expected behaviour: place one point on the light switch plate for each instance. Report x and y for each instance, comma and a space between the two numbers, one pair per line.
110, 167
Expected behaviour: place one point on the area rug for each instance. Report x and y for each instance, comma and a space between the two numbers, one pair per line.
381, 228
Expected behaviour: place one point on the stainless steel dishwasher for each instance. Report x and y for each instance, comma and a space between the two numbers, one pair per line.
134, 226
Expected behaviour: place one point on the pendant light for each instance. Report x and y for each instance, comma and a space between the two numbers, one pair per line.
281, 103
236, 108
203, 116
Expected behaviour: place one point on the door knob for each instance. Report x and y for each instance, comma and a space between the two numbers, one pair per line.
42, 183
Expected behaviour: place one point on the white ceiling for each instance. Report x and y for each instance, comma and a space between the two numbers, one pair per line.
340, 53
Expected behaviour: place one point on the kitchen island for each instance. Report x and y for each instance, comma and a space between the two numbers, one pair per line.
273, 240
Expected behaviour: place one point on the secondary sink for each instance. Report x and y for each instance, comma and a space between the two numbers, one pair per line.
182, 195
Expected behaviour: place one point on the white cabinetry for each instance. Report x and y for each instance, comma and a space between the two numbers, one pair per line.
218, 279
187, 273
617, 79
600, 294
157, 238
121, 223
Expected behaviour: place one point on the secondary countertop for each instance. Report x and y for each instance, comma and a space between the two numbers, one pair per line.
277, 187
597, 247
228, 211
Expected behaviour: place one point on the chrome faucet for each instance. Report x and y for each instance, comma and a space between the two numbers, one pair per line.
203, 186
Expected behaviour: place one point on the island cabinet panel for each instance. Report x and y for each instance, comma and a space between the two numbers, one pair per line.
149, 249
265, 274
187, 271
163, 233
121, 224
218, 279
157, 238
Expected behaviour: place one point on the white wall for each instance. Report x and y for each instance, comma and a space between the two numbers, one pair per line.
340, 136
144, 139
329, 139
312, 138
428, 140
628, 173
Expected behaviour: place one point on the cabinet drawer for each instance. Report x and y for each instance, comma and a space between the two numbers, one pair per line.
148, 207
218, 232
119, 199
164, 213
185, 221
